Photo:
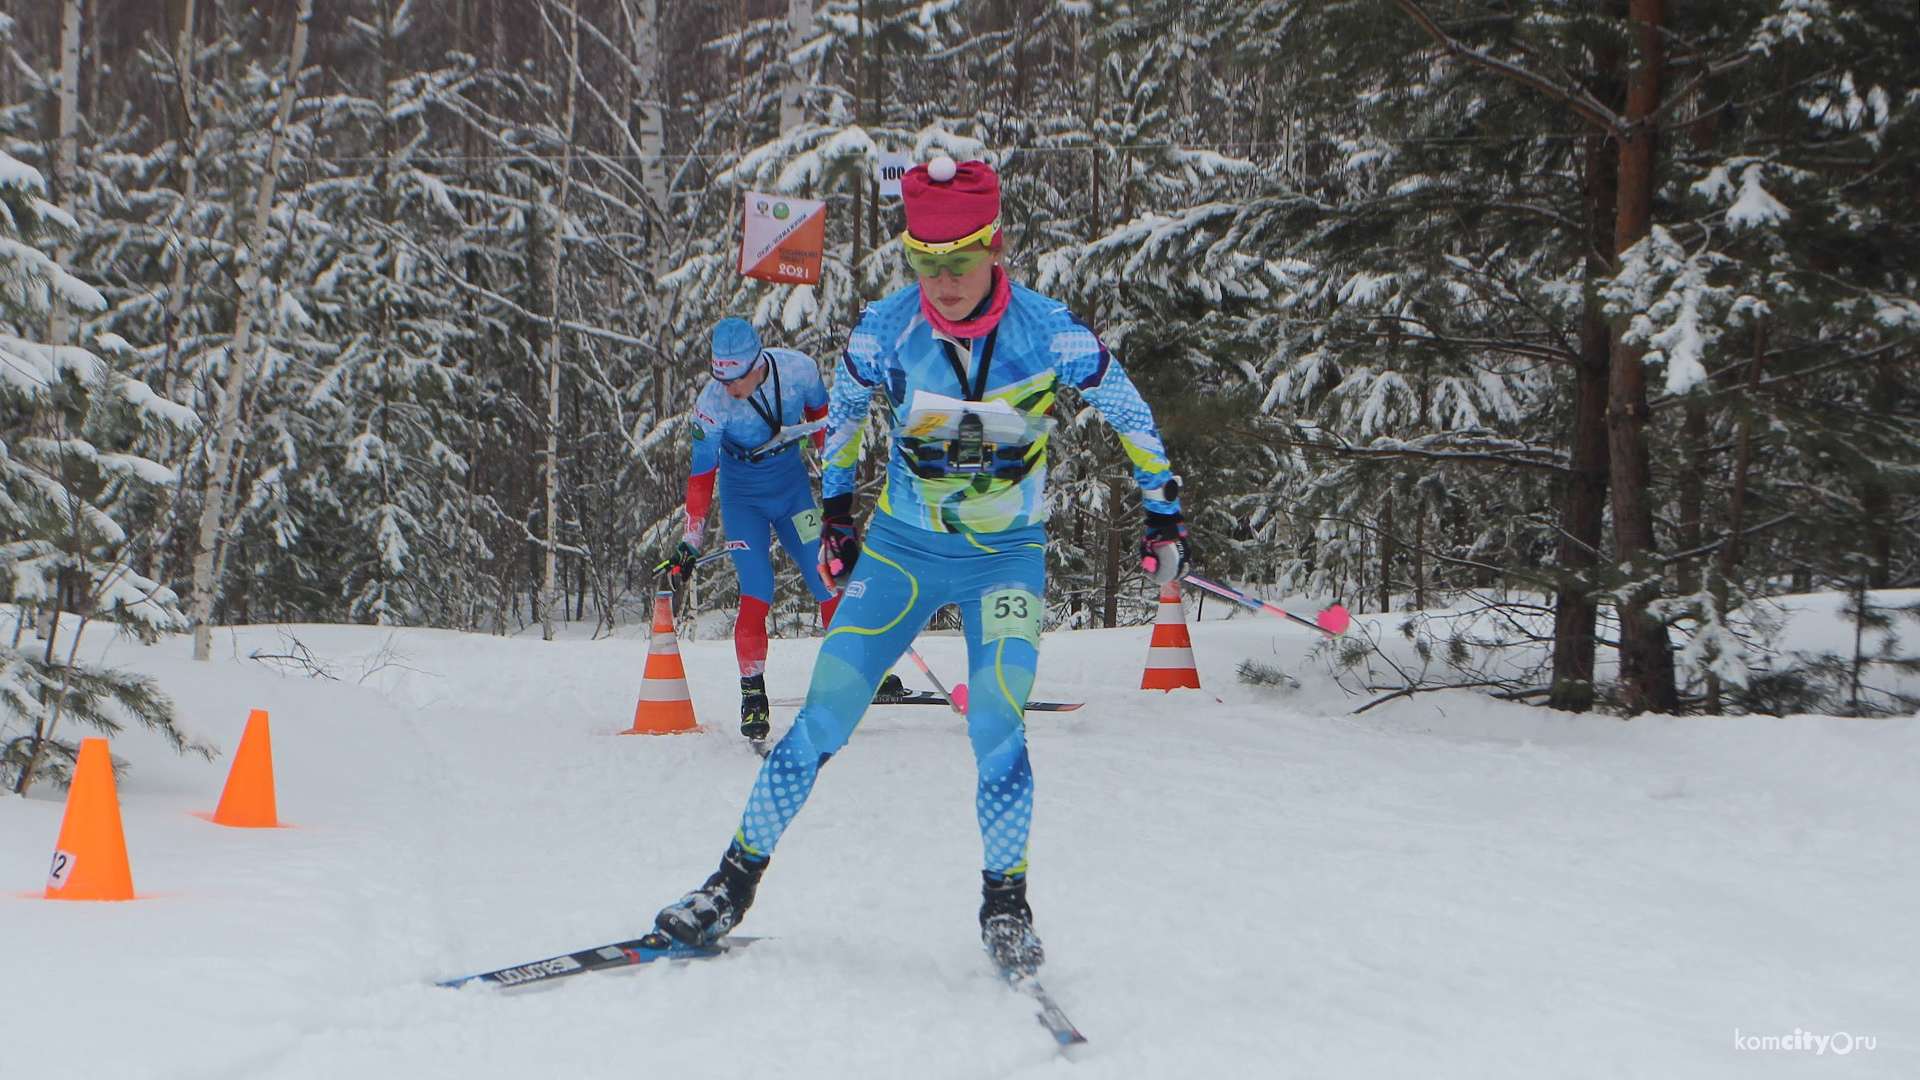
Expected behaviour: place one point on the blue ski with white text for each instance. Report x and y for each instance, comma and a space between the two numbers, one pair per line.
619, 954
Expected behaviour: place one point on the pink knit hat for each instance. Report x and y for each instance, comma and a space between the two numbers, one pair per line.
945, 201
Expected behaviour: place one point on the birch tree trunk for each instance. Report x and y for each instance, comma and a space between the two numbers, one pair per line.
183, 60
226, 426
66, 162
556, 252
650, 135
793, 76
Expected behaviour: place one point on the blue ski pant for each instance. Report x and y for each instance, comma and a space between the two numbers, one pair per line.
758, 503
904, 575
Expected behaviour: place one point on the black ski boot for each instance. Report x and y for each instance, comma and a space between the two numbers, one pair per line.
1006, 923
890, 687
711, 911
755, 715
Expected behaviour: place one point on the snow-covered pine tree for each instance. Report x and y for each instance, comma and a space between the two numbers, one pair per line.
226, 456
1610, 256
1128, 209
385, 485
75, 494
1426, 377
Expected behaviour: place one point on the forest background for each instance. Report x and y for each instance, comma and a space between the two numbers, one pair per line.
1573, 329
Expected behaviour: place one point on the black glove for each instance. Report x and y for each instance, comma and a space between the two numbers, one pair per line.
682, 560
1164, 552
839, 540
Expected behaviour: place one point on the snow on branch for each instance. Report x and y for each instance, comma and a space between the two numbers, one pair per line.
1670, 306
1755, 207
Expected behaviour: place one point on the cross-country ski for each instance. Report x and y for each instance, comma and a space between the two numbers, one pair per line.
648, 949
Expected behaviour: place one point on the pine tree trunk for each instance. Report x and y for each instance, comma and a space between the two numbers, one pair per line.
1876, 495
1110, 607
1583, 522
1693, 492
1646, 660
1732, 552
1387, 547
226, 427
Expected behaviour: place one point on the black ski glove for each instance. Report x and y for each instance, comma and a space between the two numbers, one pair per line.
1164, 552
839, 540
682, 560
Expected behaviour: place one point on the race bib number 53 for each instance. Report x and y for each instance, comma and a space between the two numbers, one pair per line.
1010, 613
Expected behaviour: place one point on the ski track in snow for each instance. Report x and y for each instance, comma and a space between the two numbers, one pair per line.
1264, 885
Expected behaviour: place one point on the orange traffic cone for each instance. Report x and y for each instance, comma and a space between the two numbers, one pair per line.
1170, 656
666, 708
247, 801
90, 858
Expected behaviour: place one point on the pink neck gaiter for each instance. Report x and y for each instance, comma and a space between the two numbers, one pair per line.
997, 302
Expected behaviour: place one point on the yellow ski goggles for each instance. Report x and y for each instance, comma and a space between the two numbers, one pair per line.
929, 259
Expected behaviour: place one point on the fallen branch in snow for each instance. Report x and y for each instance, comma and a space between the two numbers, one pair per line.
297, 657
386, 657
1409, 691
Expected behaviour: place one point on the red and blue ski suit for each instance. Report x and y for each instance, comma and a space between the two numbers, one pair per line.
761, 496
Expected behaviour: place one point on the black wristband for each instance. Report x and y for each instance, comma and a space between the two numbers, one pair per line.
837, 507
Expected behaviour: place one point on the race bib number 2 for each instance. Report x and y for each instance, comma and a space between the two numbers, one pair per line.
1010, 613
807, 524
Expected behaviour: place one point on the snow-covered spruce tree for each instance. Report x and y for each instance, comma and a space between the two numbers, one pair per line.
1132, 216
75, 492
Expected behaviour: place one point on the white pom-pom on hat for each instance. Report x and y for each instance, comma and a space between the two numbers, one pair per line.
941, 169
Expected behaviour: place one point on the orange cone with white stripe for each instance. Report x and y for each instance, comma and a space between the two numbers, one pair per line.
90, 858
666, 708
1170, 657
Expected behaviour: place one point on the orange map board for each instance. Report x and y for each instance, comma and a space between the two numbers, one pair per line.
781, 239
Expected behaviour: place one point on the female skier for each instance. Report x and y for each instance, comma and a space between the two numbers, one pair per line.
970, 365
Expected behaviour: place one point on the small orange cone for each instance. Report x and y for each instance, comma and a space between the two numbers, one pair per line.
247, 801
1170, 656
666, 708
90, 858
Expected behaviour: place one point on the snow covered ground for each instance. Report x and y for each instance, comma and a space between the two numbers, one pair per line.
1238, 882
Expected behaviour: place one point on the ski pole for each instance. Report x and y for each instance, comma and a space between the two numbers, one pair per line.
956, 698
788, 435
1332, 622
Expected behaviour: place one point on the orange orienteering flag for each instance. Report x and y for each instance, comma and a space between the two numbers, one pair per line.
781, 239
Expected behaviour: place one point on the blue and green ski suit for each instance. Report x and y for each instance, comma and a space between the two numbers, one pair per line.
974, 540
